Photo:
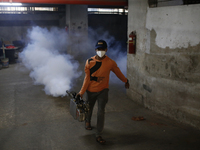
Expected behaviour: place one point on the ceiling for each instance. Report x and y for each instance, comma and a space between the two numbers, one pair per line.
79, 2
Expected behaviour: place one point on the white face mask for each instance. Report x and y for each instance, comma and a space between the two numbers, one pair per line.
101, 53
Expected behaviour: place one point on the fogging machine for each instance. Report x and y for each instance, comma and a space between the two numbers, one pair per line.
78, 107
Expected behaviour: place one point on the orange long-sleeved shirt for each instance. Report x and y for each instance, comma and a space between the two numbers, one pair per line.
97, 74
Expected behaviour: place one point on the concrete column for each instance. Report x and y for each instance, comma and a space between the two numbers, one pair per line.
77, 23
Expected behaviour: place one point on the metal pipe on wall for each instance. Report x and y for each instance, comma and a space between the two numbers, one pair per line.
79, 2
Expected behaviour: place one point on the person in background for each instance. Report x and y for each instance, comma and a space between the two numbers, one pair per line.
96, 85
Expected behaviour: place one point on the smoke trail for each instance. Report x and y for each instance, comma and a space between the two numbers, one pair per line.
49, 65
47, 56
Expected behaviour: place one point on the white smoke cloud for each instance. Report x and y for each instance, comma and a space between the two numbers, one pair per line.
49, 66
47, 57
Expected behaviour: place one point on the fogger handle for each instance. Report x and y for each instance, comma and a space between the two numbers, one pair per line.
72, 95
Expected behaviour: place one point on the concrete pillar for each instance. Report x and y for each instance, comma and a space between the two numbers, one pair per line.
77, 24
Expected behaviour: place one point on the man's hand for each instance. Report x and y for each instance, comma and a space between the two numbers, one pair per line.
79, 95
127, 84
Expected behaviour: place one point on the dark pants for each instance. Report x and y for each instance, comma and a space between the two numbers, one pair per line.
102, 98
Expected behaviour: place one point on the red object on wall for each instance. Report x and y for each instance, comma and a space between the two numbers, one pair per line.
10, 46
132, 43
66, 28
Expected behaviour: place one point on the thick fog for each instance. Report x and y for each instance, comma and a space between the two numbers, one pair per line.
53, 65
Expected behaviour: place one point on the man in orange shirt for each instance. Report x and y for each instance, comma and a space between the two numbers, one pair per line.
96, 84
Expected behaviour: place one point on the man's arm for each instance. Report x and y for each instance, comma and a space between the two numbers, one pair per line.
120, 75
86, 80
118, 72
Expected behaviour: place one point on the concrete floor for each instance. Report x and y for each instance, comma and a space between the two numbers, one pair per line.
31, 120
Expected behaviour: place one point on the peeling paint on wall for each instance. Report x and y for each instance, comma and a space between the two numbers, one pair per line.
174, 27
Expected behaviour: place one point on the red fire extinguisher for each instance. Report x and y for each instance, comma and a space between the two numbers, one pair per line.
132, 43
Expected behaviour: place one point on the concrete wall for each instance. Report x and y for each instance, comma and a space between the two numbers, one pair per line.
77, 21
165, 71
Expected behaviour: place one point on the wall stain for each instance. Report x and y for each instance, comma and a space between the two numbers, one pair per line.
166, 66
193, 63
